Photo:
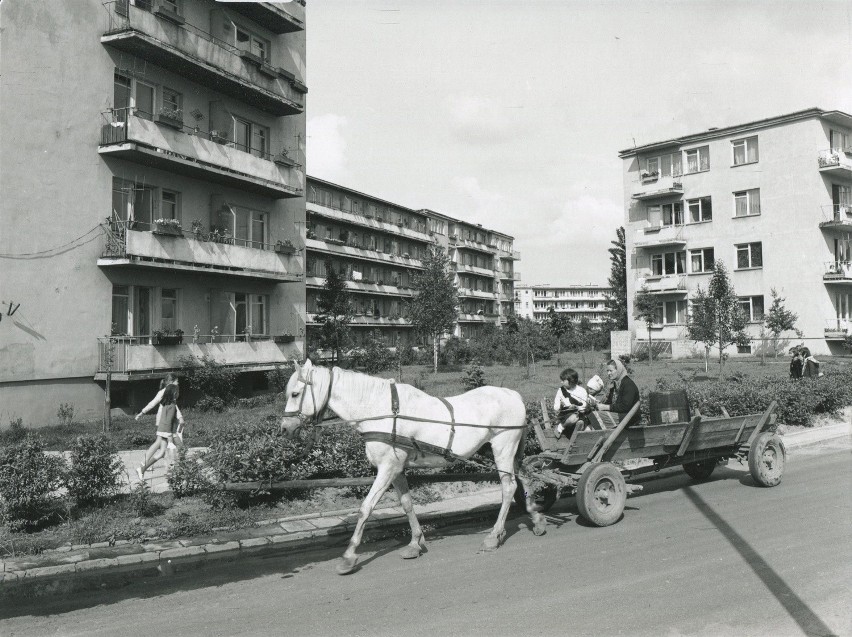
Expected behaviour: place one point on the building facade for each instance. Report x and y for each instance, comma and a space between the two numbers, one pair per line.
771, 199
156, 210
378, 247
573, 301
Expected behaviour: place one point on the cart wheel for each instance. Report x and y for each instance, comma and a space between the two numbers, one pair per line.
601, 494
766, 459
544, 499
699, 470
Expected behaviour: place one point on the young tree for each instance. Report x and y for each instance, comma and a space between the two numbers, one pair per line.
559, 326
701, 323
335, 312
779, 319
646, 308
720, 320
616, 301
433, 308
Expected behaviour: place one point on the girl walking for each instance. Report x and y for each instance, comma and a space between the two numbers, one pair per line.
169, 422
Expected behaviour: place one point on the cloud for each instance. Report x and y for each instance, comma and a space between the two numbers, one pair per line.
326, 147
479, 120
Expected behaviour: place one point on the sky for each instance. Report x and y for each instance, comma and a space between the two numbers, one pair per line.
512, 114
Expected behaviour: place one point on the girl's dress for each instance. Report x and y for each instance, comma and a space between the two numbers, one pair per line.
167, 415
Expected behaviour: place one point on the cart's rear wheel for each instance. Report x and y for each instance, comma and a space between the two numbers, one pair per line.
543, 499
601, 494
701, 469
766, 459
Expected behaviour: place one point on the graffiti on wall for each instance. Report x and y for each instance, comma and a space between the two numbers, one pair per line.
10, 311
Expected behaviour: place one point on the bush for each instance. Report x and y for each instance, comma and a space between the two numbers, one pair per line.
374, 357
455, 351
17, 432
211, 379
29, 479
277, 378
95, 470
186, 476
211, 403
141, 501
473, 376
65, 413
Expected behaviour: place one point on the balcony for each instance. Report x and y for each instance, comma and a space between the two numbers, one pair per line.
838, 329
466, 317
837, 217
659, 188
836, 162
133, 357
838, 272
472, 269
274, 17
127, 136
368, 222
476, 294
331, 247
131, 243
659, 237
474, 245
368, 320
670, 284
188, 51
363, 286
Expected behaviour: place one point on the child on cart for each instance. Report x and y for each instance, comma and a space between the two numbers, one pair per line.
571, 403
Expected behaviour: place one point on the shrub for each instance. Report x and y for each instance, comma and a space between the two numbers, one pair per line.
95, 470
65, 413
211, 378
186, 476
17, 431
211, 403
473, 376
278, 377
454, 352
338, 452
374, 357
141, 501
29, 479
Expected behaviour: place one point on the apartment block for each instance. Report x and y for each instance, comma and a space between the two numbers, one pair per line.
576, 302
772, 199
155, 210
378, 247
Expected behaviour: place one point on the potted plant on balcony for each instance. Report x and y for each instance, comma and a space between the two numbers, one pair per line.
219, 234
649, 175
219, 136
167, 337
172, 117
198, 229
285, 246
168, 226
283, 158
286, 337
310, 234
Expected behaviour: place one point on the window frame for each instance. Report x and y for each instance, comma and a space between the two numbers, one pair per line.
752, 202
702, 253
745, 143
750, 312
700, 151
749, 250
704, 209
661, 258
676, 209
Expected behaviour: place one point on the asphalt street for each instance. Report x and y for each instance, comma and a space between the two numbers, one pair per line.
723, 557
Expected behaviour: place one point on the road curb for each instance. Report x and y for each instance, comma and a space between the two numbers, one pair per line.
80, 568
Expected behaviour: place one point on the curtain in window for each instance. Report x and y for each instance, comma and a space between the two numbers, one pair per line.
739, 154
754, 202
258, 314
704, 158
752, 149
756, 255
740, 205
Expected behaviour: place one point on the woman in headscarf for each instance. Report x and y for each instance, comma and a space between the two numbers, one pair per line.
623, 393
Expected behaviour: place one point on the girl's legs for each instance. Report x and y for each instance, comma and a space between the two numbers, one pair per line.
154, 453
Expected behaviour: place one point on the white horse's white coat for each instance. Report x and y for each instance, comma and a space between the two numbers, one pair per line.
358, 398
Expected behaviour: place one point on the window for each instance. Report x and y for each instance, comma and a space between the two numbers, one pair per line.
701, 260
130, 93
168, 309
169, 204
745, 150
670, 313
698, 159
838, 139
652, 166
172, 100
668, 263
120, 310
673, 214
747, 203
143, 100
744, 349
752, 308
246, 40
700, 209
247, 227
749, 255
258, 314
664, 165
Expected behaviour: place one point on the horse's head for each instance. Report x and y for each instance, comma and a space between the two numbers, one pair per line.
305, 401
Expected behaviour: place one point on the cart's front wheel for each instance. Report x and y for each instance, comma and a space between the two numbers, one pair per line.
601, 494
700, 470
766, 459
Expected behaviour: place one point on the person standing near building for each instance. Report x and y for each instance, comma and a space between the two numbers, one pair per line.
796, 364
169, 419
810, 364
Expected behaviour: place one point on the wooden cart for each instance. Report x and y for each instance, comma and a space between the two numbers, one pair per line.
595, 465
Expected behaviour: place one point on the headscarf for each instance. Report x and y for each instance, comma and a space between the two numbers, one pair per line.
620, 373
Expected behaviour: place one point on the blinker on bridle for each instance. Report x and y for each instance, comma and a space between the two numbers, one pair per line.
318, 413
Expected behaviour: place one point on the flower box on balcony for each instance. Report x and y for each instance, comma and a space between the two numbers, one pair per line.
167, 337
284, 338
284, 160
649, 176
166, 228
169, 117
283, 247
167, 12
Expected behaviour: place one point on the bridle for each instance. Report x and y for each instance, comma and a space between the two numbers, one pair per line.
318, 414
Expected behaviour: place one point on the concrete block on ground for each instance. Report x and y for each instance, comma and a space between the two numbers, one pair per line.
294, 526
221, 548
93, 565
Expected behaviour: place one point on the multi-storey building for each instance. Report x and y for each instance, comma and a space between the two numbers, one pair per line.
378, 247
574, 301
772, 199
161, 191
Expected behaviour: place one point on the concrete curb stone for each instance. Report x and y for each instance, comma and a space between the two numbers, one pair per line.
72, 568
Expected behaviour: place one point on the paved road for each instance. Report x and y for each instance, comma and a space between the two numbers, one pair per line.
718, 558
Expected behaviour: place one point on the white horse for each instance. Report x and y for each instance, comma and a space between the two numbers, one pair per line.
485, 414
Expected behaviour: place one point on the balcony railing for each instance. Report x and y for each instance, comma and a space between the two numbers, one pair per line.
475, 245
140, 244
668, 284
656, 236
185, 49
136, 355
472, 269
836, 160
838, 328
278, 18
339, 247
838, 271
837, 216
129, 134
658, 188
419, 233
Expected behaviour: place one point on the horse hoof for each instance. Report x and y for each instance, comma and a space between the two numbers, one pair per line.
493, 543
539, 529
410, 552
346, 565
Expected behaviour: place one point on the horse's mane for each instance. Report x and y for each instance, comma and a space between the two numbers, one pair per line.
365, 387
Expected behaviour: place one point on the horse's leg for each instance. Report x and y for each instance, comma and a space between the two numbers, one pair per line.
538, 520
504, 458
387, 471
413, 549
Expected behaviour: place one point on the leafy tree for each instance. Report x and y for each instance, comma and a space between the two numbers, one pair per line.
779, 319
560, 326
434, 307
717, 319
616, 301
335, 312
646, 308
